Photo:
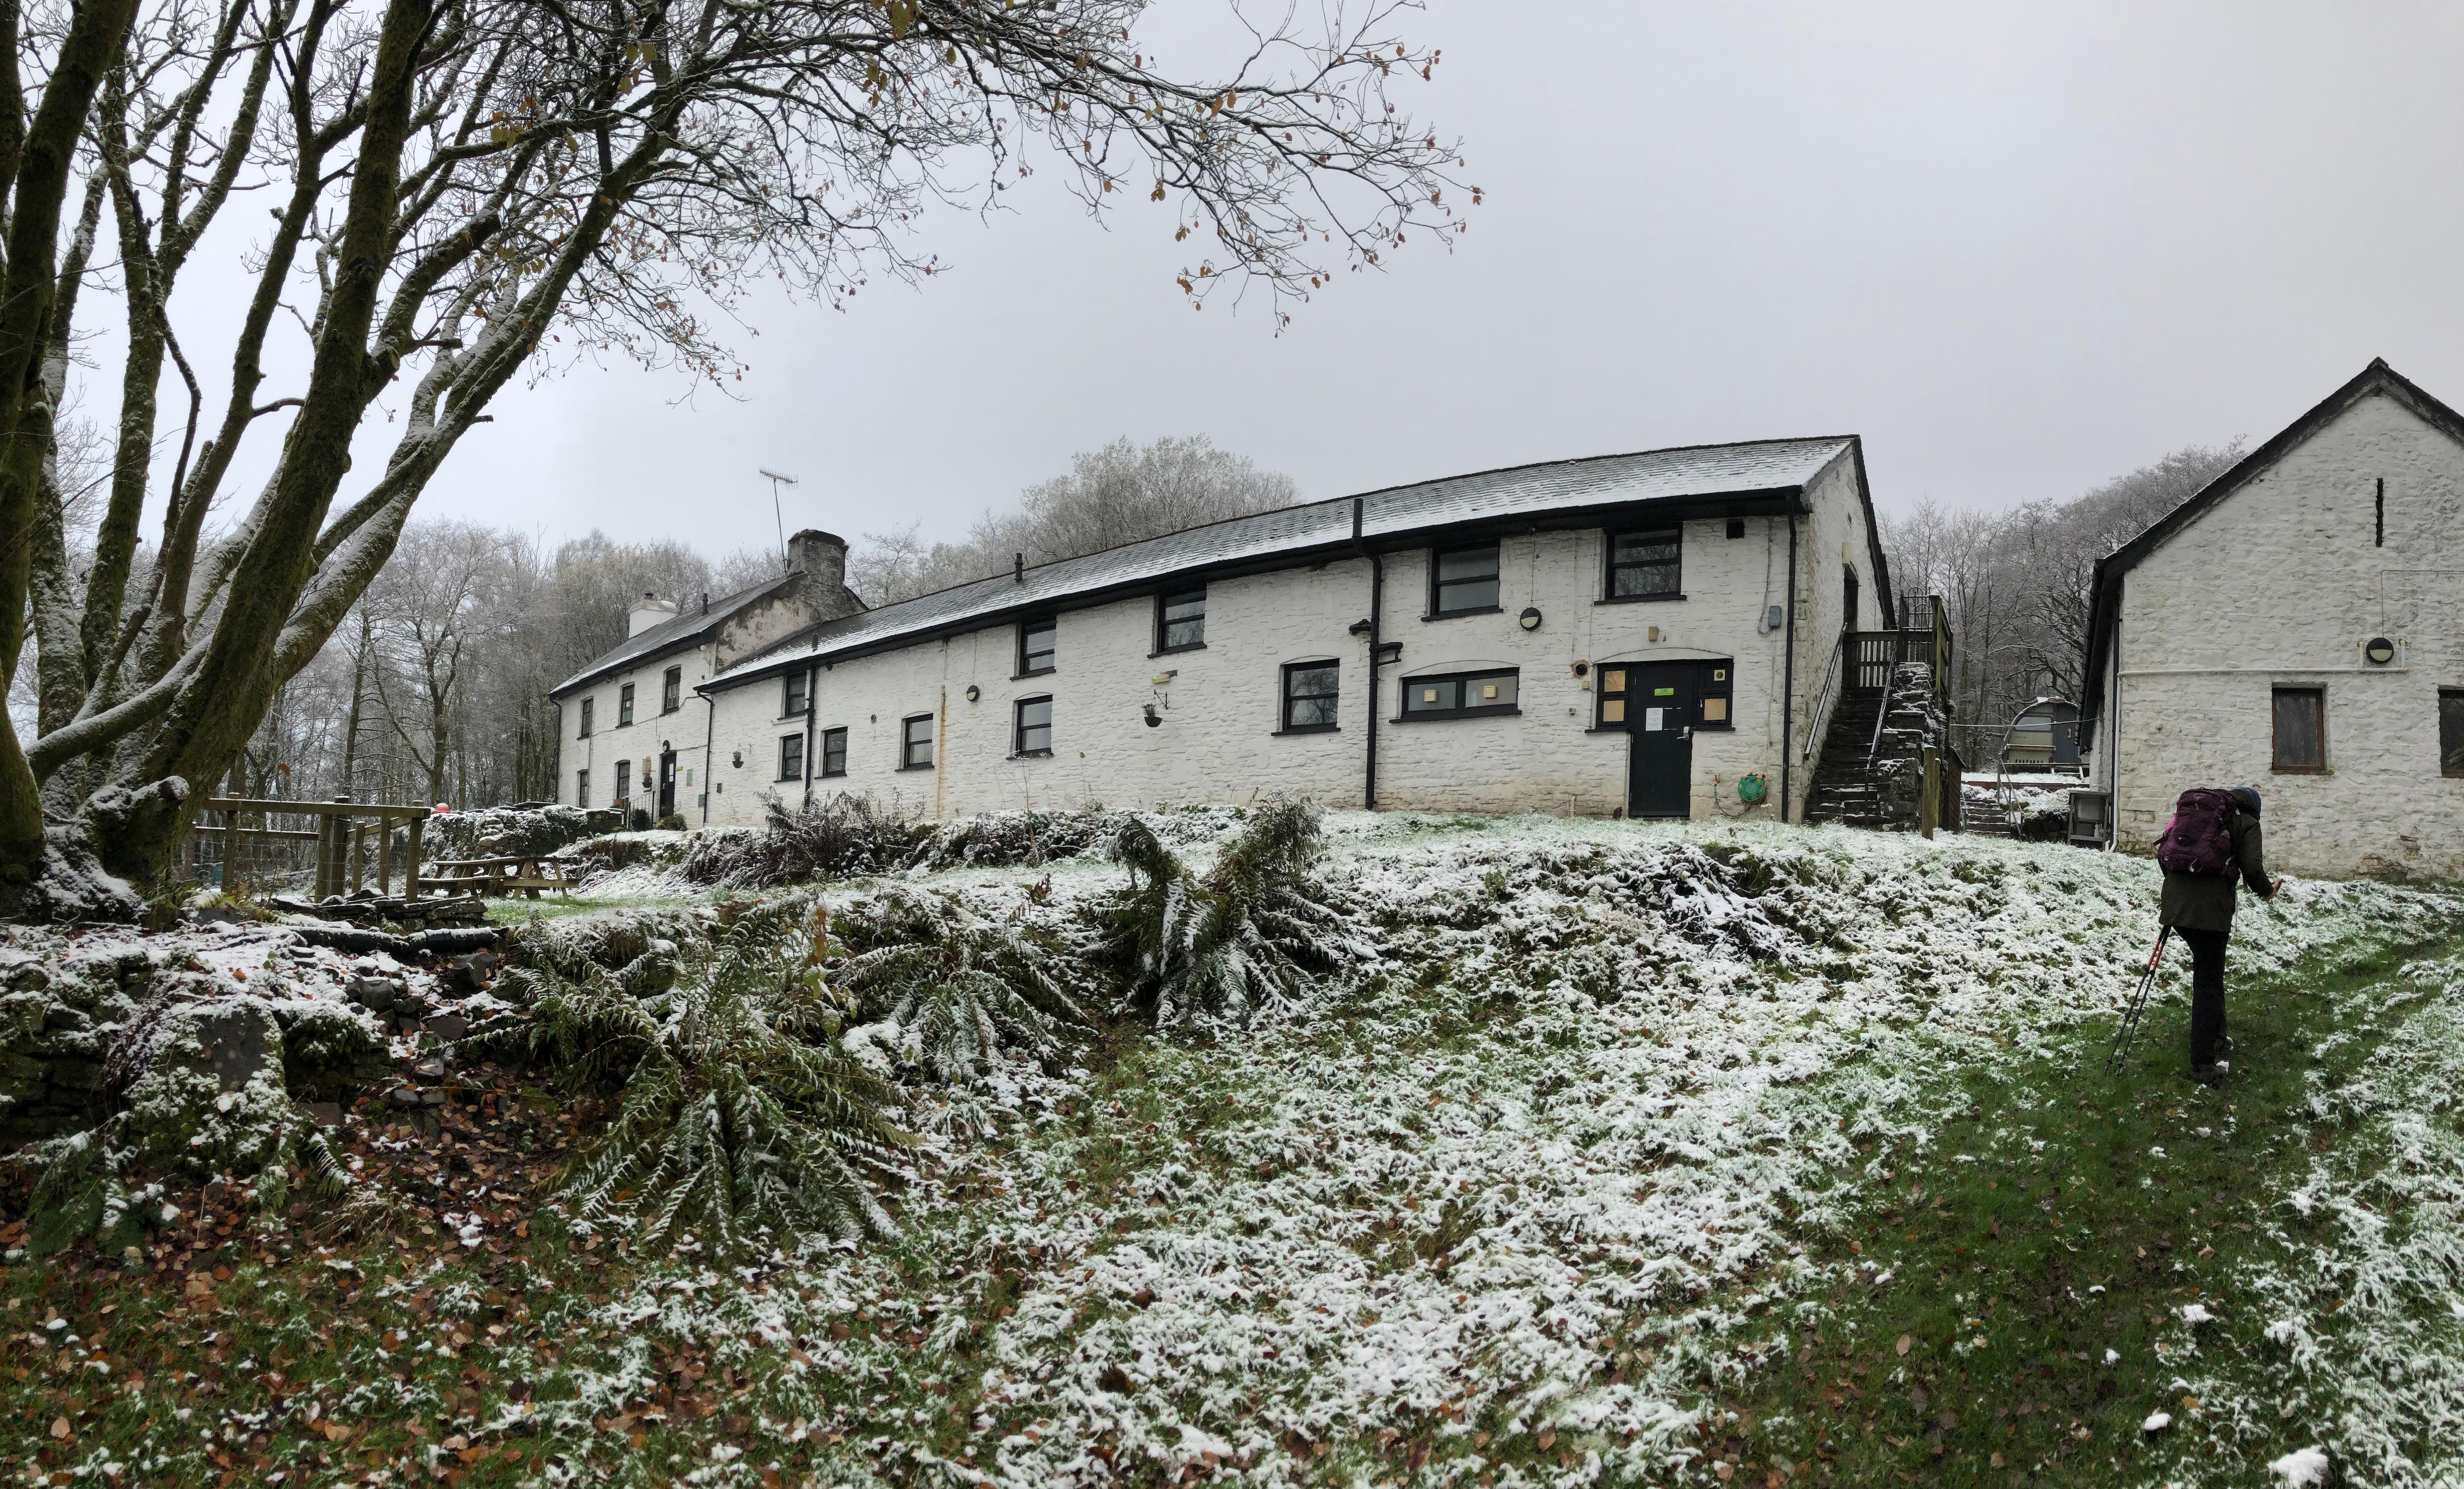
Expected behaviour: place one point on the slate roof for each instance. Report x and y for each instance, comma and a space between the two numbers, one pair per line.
1555, 489
687, 629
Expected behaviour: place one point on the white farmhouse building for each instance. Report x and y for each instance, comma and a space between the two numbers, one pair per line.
2293, 627
627, 737
1629, 634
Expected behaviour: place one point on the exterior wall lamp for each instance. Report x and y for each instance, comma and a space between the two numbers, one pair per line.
1529, 619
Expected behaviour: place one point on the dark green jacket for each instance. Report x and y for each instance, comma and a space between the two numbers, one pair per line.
2197, 903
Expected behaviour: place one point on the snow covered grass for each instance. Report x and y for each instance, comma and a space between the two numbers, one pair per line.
1626, 1124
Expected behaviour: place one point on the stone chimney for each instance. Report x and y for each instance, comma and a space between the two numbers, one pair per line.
819, 559
653, 611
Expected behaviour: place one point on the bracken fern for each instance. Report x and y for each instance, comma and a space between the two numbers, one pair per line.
961, 986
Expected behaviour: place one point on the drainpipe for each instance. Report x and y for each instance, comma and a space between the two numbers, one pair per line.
812, 679
1377, 637
1788, 678
709, 730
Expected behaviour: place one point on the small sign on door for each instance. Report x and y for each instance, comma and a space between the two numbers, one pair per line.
1651, 719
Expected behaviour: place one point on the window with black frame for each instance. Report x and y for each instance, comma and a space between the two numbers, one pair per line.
1037, 642
1712, 696
582, 788
1645, 566
834, 751
791, 757
671, 689
1463, 581
1034, 731
1461, 695
795, 692
589, 707
1312, 691
1180, 620
2301, 729
625, 705
2451, 730
915, 742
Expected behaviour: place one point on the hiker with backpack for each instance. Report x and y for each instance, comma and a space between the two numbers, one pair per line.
2210, 847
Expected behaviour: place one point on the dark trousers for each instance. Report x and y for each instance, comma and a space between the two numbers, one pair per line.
2206, 990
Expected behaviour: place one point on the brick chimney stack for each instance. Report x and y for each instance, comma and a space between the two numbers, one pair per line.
820, 559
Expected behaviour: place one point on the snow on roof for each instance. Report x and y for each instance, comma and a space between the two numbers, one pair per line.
667, 636
1558, 487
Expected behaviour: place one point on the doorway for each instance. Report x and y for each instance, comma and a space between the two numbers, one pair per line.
1659, 715
1848, 597
667, 785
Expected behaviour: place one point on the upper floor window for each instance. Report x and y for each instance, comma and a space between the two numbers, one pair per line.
834, 751
1180, 619
1463, 581
915, 742
672, 691
625, 705
795, 694
1036, 644
588, 705
791, 757
1645, 566
1310, 692
1460, 694
2301, 729
1034, 734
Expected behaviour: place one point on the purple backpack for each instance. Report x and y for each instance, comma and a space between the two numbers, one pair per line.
2199, 838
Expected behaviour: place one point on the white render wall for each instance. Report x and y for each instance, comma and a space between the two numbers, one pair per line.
684, 730
1218, 741
2280, 583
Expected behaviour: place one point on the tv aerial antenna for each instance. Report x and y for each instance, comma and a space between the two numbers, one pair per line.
777, 511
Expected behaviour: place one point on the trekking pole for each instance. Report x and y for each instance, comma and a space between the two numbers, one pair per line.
2121, 1037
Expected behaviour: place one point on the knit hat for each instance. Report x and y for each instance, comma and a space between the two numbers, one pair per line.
2248, 797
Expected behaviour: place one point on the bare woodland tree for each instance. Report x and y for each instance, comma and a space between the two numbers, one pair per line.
1117, 495
2016, 584
462, 187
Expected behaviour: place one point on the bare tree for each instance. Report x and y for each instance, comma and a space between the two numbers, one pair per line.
428, 602
460, 189
1117, 495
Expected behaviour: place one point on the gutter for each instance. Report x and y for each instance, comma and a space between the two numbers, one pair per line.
1788, 678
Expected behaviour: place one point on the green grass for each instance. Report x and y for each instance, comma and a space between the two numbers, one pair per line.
2011, 1276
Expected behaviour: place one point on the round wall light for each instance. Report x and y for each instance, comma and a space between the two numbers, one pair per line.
2379, 650
974, 692
1529, 618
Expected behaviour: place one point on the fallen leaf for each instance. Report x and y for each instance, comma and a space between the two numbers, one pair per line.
60, 1428
1904, 1343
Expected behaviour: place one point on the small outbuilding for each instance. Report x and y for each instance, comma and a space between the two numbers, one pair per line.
2043, 735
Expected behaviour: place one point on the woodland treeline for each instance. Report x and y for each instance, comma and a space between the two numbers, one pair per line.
2016, 584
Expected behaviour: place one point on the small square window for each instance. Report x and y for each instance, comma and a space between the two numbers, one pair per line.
2301, 729
1645, 566
834, 751
1034, 733
2450, 732
915, 742
1463, 581
625, 705
795, 694
1037, 641
672, 691
1312, 693
791, 757
1180, 620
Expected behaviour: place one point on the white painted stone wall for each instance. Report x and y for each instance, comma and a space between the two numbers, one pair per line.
1218, 740
609, 742
2280, 583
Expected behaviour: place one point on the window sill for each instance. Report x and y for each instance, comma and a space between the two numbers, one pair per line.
1173, 651
1639, 599
1307, 728
905, 767
789, 780
1448, 715
2299, 770
1456, 615
1040, 671
678, 708
788, 718
1030, 754
831, 775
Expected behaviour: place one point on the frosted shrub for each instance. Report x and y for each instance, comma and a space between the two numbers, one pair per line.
956, 987
841, 838
1249, 934
741, 1120
1000, 839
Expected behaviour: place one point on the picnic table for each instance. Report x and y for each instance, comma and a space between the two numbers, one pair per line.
500, 875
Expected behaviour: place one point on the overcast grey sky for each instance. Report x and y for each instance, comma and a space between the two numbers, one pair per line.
2018, 248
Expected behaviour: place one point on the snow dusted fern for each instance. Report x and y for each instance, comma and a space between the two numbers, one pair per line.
959, 987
